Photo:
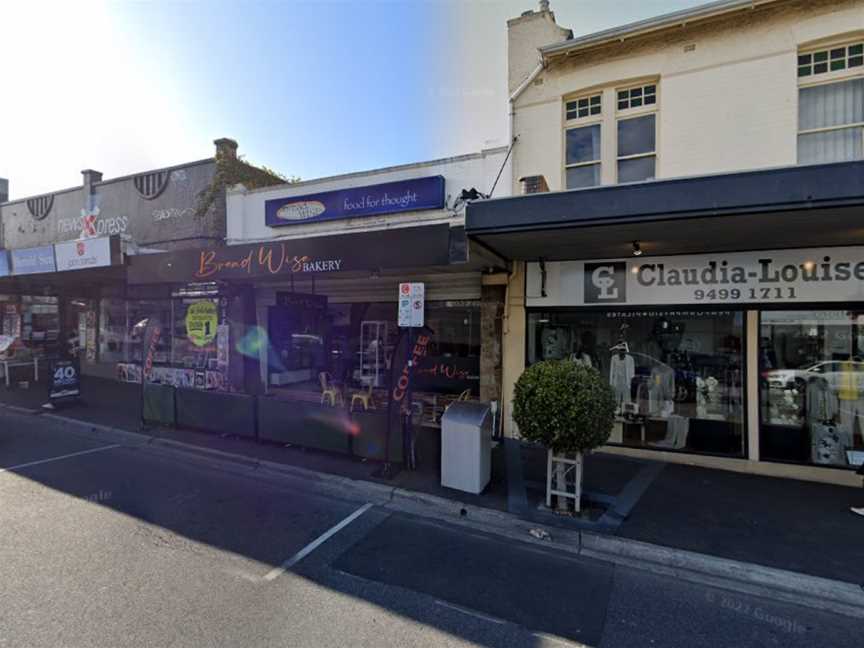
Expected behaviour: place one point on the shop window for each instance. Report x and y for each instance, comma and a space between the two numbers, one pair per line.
636, 148
354, 346
193, 334
812, 387
583, 156
30, 326
112, 330
677, 375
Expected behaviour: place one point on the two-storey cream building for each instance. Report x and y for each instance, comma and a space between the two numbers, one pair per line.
693, 228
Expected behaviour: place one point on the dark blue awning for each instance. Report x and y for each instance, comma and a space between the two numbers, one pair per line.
773, 208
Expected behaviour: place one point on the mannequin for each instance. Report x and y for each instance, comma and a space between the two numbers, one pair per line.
622, 368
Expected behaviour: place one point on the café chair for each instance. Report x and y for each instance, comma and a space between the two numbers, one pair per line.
465, 395
329, 393
364, 397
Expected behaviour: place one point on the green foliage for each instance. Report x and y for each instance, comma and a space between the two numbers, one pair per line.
235, 170
564, 406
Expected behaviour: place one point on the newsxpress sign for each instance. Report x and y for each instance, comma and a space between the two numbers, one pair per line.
779, 276
387, 198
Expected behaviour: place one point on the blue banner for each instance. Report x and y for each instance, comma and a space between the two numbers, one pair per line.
5, 271
33, 260
387, 198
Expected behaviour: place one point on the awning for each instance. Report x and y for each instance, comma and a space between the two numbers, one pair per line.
408, 247
801, 206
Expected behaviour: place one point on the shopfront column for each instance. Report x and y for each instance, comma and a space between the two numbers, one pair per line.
513, 341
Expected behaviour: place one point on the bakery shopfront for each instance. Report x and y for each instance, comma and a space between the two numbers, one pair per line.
727, 311
311, 333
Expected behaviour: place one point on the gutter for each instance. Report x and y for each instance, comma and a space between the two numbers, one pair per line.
657, 23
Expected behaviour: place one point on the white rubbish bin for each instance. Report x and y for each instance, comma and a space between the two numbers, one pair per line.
466, 446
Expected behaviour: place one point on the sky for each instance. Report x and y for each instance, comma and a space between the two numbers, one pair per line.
309, 88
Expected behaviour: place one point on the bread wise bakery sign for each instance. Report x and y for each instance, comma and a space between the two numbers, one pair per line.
772, 276
363, 251
387, 198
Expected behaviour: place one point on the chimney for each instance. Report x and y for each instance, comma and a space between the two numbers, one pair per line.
226, 148
534, 184
4, 190
90, 177
525, 35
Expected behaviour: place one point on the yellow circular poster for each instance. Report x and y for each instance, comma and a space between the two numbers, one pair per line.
201, 321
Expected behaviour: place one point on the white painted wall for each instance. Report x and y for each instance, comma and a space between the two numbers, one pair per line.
729, 104
246, 208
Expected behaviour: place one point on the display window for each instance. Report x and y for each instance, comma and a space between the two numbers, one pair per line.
811, 387
318, 348
33, 323
190, 351
677, 376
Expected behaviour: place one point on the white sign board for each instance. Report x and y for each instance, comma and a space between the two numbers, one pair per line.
412, 298
88, 253
776, 277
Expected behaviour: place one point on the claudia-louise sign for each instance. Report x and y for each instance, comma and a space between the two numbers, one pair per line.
778, 276
387, 198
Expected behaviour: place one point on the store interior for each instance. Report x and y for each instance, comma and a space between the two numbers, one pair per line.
677, 376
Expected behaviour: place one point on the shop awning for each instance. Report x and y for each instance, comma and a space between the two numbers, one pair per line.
801, 206
408, 247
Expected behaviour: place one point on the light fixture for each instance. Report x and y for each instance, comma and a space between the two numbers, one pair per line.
637, 251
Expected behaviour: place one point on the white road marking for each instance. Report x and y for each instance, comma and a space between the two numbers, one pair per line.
312, 546
66, 456
470, 612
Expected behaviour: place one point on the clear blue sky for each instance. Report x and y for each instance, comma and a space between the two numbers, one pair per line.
308, 88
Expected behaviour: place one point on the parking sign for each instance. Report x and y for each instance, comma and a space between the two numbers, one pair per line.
412, 297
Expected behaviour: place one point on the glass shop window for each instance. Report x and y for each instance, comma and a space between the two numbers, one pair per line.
811, 392
678, 376
193, 333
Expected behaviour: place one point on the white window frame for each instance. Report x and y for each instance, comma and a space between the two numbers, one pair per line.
827, 78
608, 121
583, 122
623, 114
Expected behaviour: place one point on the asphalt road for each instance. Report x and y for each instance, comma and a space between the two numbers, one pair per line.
112, 544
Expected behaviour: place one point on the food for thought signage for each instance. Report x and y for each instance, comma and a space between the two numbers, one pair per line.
387, 198
778, 276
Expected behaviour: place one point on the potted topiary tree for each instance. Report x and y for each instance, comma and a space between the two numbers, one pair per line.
570, 410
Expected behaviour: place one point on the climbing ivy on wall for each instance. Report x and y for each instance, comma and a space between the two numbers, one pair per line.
232, 170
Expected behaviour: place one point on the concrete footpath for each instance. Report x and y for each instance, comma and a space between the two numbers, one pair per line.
594, 539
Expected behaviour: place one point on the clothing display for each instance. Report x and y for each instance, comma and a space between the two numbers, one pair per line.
622, 368
828, 444
821, 400
852, 414
661, 390
677, 429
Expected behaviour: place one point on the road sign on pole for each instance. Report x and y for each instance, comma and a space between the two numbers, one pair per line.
412, 298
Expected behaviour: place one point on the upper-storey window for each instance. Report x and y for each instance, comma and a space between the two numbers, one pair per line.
583, 153
638, 96
610, 136
834, 59
637, 133
831, 104
584, 107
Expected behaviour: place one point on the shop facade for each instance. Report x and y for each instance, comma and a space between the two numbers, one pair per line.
64, 288
722, 350
310, 285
